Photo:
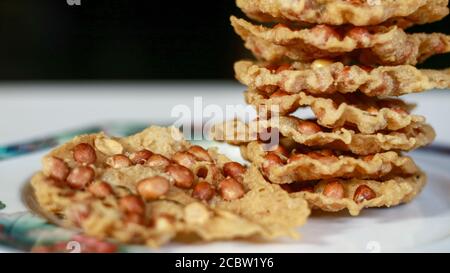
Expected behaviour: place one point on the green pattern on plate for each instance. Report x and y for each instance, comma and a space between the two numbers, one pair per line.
2, 206
26, 232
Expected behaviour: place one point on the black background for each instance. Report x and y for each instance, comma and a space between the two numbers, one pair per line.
126, 40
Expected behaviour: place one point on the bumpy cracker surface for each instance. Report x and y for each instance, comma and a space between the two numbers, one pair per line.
236, 132
269, 206
367, 114
300, 166
175, 214
369, 45
337, 77
166, 218
388, 193
359, 13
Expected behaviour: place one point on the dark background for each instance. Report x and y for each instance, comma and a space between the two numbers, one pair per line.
126, 40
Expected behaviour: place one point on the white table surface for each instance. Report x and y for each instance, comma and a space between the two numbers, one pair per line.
31, 110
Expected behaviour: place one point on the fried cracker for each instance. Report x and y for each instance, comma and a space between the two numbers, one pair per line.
369, 115
175, 215
337, 77
368, 45
318, 165
237, 132
358, 13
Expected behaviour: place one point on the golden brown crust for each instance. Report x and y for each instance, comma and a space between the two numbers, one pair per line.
236, 132
307, 167
388, 193
173, 214
380, 81
367, 114
377, 45
268, 205
359, 13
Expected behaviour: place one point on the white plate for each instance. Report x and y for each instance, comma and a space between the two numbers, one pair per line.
423, 225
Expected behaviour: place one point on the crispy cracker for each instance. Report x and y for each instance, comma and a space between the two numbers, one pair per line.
359, 13
369, 115
389, 193
308, 167
176, 214
337, 77
236, 132
377, 45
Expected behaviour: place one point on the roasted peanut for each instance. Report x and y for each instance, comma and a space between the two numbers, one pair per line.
153, 187
334, 189
325, 156
308, 127
360, 35
280, 150
283, 67
363, 193
183, 177
135, 218
367, 68
295, 157
368, 158
108, 146
203, 191
100, 189
275, 68
78, 213
184, 159
324, 33
372, 110
400, 110
55, 182
80, 177
279, 94
280, 25
132, 204
56, 168
321, 63
233, 169
159, 161
323, 152
271, 67
119, 161
141, 156
231, 189
271, 160
84, 153
211, 170
199, 153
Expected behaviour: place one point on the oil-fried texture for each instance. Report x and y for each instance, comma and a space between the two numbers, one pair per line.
314, 165
268, 204
368, 45
166, 218
359, 13
236, 132
388, 193
177, 213
337, 77
368, 114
